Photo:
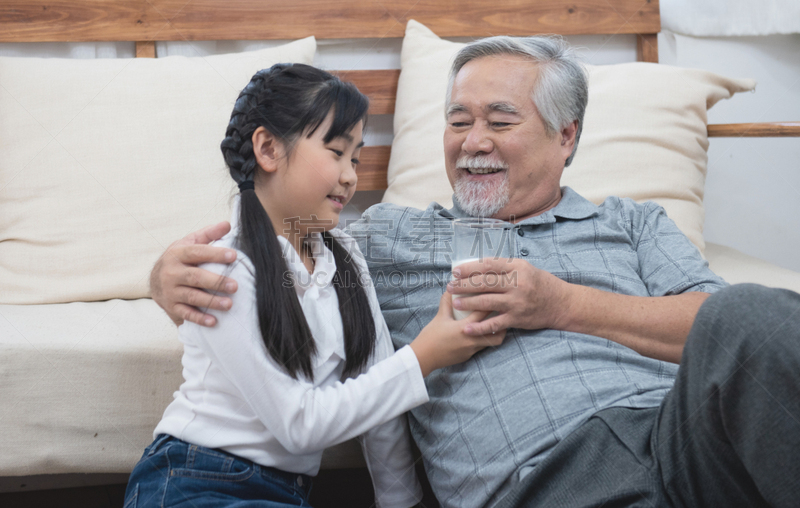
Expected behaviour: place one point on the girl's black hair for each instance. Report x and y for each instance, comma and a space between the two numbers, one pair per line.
292, 100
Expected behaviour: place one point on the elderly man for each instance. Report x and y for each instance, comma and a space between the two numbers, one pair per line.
583, 405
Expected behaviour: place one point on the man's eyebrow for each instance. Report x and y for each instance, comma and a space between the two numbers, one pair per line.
360, 144
502, 107
456, 108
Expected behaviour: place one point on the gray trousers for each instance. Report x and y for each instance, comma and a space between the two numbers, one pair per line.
727, 435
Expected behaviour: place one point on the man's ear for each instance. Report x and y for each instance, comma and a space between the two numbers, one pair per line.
268, 149
568, 135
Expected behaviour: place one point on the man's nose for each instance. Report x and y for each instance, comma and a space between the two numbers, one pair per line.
477, 141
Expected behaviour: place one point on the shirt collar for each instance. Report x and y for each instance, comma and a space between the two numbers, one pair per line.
314, 291
572, 206
324, 264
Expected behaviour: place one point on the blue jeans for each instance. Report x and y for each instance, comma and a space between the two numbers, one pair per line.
175, 473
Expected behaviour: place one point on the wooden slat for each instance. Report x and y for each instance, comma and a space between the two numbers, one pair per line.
647, 48
380, 86
170, 20
374, 160
146, 49
755, 130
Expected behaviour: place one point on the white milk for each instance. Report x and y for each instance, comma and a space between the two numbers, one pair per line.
461, 314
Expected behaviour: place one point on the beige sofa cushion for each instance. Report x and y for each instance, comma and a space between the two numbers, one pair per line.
736, 268
106, 162
81, 392
644, 132
83, 386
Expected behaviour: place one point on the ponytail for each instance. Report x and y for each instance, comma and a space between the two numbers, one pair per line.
357, 320
290, 101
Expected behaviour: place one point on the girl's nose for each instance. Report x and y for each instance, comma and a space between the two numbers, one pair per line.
348, 177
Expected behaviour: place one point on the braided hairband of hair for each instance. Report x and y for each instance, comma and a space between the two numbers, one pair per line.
247, 184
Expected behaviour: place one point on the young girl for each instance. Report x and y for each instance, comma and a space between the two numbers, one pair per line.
303, 360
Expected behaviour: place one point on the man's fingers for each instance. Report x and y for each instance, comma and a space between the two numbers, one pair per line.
201, 299
194, 315
485, 265
199, 254
203, 279
210, 233
490, 282
484, 303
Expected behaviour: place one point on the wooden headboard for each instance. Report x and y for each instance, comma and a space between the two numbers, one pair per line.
148, 21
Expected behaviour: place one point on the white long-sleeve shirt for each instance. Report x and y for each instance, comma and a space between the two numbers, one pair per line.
235, 397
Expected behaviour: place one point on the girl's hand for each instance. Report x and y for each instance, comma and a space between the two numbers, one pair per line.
443, 342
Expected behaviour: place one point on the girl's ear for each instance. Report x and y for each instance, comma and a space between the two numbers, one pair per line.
268, 149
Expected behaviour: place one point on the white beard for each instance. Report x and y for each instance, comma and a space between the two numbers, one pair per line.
481, 199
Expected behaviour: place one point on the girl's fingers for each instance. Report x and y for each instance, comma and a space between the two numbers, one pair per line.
477, 315
446, 301
491, 326
446, 304
495, 339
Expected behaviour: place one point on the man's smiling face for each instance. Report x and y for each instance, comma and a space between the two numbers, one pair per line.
500, 159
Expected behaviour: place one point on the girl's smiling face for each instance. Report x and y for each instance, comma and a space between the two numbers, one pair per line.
306, 190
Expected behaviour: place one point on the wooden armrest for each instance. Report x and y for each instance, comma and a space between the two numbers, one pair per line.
755, 130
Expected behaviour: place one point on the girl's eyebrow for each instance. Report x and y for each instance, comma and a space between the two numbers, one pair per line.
349, 139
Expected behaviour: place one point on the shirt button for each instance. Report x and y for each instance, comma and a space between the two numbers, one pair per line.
299, 481
524, 252
519, 232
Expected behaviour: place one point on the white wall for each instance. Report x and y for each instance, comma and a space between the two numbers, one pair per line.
752, 196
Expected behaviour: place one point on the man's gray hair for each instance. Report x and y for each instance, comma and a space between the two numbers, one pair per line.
562, 88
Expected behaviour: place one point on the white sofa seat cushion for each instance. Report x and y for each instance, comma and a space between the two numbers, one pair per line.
83, 386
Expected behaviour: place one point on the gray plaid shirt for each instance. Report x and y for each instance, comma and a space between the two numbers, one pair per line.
493, 418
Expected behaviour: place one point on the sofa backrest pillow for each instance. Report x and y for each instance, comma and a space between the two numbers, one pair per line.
104, 163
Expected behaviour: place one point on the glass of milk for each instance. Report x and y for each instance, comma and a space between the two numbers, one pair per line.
477, 238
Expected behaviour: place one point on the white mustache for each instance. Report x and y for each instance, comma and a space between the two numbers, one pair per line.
480, 162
